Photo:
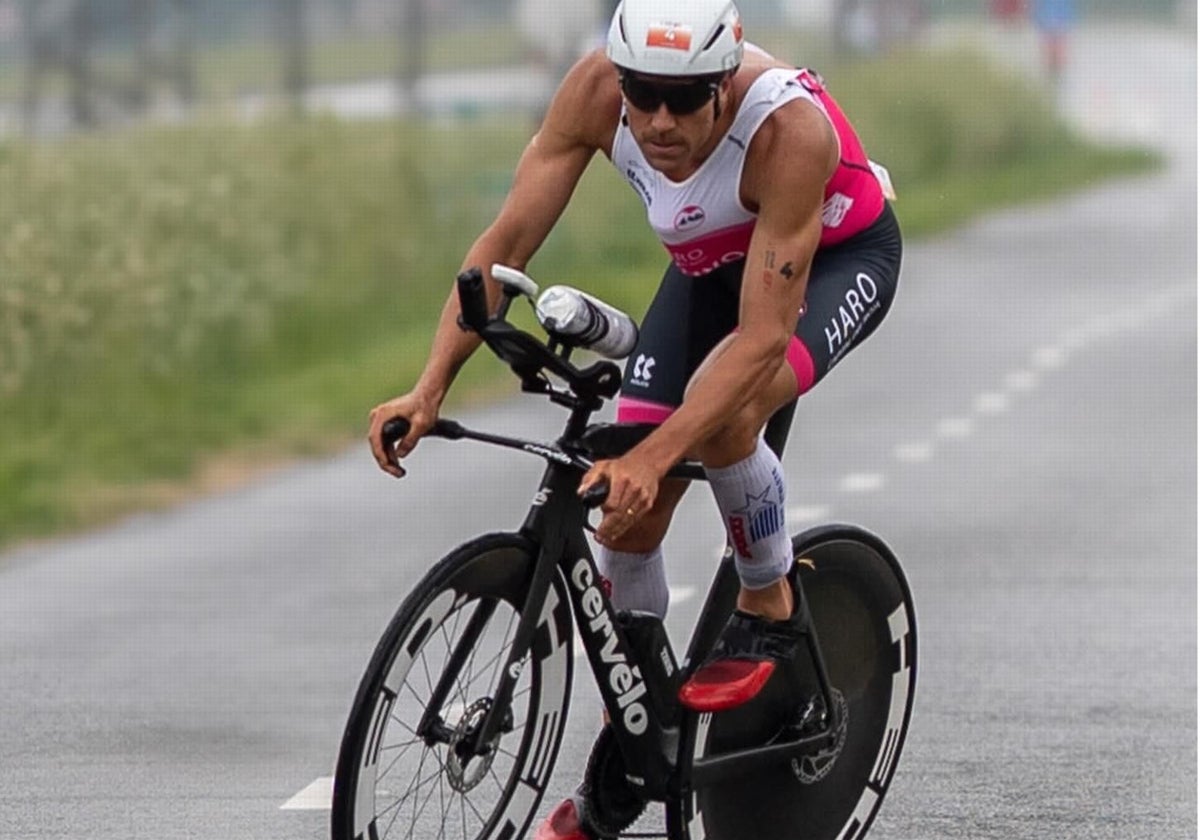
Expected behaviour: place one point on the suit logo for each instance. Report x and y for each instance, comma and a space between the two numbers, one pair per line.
642, 367
689, 217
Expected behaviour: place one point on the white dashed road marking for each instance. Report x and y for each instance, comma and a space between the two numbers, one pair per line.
807, 513
861, 482
955, 427
992, 402
682, 594
913, 453
1043, 361
1049, 358
1021, 380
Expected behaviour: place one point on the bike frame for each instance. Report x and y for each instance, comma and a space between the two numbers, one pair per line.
656, 735
657, 747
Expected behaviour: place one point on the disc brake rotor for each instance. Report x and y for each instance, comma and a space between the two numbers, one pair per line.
464, 772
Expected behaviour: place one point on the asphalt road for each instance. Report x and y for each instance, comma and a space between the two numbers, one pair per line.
1023, 431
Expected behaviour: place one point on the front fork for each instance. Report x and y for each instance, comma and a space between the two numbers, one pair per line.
637, 702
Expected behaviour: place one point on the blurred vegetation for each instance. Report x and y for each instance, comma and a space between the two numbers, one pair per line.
171, 296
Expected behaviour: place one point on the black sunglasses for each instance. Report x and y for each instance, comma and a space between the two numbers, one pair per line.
681, 98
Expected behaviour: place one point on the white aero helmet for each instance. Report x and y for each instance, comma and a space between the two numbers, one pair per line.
676, 37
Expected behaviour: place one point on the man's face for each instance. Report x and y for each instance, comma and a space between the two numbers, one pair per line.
672, 118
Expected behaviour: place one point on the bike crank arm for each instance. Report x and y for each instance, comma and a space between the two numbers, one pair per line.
707, 772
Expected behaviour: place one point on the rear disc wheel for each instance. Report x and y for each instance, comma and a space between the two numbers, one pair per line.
864, 618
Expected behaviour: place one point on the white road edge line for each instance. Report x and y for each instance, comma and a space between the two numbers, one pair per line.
318, 796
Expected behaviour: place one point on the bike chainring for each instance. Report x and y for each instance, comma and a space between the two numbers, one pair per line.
610, 802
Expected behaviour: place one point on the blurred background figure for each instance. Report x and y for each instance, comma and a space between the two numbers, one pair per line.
1011, 12
873, 26
1054, 20
560, 31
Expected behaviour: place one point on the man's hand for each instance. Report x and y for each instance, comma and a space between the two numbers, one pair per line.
632, 490
420, 412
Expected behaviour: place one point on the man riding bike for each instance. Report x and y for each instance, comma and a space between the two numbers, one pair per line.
784, 256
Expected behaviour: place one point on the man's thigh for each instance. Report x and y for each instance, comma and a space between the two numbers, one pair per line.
685, 321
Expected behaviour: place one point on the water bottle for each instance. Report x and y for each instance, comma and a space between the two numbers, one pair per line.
587, 322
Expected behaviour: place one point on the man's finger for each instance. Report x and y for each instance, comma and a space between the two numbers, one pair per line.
590, 478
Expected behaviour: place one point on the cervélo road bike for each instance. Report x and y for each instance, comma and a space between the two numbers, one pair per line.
458, 719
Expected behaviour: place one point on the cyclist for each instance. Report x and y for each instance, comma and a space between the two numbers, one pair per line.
784, 256
1054, 20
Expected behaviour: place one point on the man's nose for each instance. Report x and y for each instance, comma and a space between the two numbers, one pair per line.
662, 119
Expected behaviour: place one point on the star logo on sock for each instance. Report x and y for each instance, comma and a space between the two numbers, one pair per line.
762, 513
756, 502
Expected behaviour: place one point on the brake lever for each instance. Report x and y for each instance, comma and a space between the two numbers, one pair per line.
594, 496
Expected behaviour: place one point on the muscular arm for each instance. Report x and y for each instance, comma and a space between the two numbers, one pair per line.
546, 176
788, 165
581, 119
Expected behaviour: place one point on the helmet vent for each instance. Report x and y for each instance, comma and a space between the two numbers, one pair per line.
708, 44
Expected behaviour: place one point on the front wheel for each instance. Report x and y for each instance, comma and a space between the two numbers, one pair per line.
403, 769
863, 613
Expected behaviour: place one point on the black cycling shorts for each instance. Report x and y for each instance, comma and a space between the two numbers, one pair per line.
851, 286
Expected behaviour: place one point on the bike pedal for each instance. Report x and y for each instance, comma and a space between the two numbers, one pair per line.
725, 684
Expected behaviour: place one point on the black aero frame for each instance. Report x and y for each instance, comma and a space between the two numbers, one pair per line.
636, 673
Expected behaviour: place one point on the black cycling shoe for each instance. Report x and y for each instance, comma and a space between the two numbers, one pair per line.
744, 657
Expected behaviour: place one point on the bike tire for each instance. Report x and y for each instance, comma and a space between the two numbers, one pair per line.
391, 783
863, 612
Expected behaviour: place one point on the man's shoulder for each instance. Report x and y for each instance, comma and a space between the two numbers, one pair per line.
589, 98
795, 147
593, 70
796, 128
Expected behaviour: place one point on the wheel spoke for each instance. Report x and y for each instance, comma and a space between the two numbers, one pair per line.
504, 647
400, 744
442, 803
474, 810
421, 702
425, 802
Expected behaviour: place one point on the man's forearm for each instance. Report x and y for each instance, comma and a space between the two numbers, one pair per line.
452, 345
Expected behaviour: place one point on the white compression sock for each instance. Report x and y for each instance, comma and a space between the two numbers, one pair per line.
750, 495
639, 581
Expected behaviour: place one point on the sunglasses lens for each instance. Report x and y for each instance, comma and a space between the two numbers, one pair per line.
685, 99
680, 99
641, 94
